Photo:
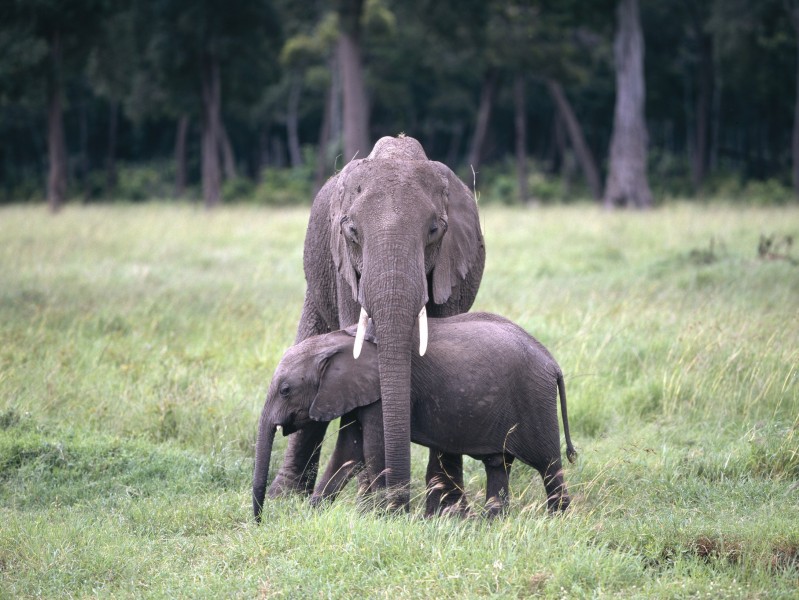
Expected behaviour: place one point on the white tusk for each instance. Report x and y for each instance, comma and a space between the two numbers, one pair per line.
422, 331
363, 321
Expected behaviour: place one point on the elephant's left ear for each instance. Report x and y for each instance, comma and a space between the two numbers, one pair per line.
462, 244
344, 383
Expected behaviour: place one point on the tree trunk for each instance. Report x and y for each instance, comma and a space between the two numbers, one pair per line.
520, 125
453, 152
487, 93
226, 151
794, 14
565, 163
575, 133
277, 152
181, 166
293, 121
704, 105
83, 166
557, 148
336, 114
715, 121
627, 183
324, 142
356, 108
56, 147
111, 151
211, 172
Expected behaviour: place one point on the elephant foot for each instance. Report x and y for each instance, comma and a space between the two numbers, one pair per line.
398, 499
460, 510
495, 506
319, 501
558, 503
444, 499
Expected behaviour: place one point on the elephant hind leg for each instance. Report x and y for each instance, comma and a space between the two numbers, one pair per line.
557, 495
445, 492
497, 468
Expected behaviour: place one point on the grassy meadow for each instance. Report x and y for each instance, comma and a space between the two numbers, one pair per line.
137, 343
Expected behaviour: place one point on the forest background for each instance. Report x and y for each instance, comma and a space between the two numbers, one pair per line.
262, 101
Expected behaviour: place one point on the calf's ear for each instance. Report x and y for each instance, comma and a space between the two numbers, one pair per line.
345, 383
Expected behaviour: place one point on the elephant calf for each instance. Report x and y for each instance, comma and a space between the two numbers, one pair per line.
484, 388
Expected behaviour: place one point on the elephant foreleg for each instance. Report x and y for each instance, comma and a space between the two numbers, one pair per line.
300, 463
445, 492
346, 461
373, 448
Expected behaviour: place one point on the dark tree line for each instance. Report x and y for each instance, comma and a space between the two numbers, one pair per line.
615, 93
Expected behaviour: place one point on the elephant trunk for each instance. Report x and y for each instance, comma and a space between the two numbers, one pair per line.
394, 364
394, 301
263, 454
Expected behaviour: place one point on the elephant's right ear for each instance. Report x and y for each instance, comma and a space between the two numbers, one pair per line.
344, 383
338, 243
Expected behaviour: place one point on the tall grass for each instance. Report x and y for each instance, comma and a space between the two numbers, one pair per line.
137, 342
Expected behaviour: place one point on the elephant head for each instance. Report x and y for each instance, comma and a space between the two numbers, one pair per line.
403, 229
315, 380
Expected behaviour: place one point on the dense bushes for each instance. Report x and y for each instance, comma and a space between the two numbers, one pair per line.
497, 183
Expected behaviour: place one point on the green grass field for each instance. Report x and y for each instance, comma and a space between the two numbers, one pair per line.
137, 343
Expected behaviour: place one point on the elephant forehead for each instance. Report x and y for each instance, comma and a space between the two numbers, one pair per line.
380, 180
293, 361
296, 356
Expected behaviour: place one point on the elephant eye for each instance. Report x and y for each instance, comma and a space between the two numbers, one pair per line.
285, 389
437, 226
349, 230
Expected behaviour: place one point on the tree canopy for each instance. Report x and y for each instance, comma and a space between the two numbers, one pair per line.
219, 94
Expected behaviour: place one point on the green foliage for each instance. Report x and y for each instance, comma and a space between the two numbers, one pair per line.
237, 189
670, 175
285, 187
500, 184
28, 187
137, 343
770, 191
137, 182
730, 187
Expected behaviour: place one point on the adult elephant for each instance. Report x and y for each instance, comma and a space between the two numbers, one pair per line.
394, 236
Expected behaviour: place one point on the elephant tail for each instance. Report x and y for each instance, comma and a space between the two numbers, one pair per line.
571, 453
